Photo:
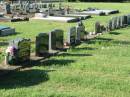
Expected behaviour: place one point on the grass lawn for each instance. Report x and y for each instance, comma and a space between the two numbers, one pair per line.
96, 68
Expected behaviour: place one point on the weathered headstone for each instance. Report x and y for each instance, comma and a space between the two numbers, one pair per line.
8, 8
18, 51
80, 29
97, 27
118, 23
42, 44
71, 37
113, 23
121, 21
56, 39
109, 25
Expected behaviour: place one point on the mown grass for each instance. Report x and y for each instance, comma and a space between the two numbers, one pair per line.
96, 68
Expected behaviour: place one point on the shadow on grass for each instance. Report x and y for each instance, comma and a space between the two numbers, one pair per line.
107, 41
19, 79
50, 62
77, 55
85, 48
114, 33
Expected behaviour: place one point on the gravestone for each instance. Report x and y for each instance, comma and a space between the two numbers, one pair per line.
118, 23
121, 21
42, 44
56, 39
80, 30
128, 20
18, 51
113, 23
125, 20
109, 25
8, 8
71, 37
97, 27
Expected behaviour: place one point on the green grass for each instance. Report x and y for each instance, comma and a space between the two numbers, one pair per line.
96, 68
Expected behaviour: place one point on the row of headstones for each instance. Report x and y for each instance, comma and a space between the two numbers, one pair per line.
27, 7
19, 50
118, 22
31, 7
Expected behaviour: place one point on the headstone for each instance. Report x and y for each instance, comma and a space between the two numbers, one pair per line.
56, 39
118, 22
71, 37
8, 8
125, 20
80, 29
113, 23
128, 21
97, 27
18, 51
121, 21
109, 25
42, 44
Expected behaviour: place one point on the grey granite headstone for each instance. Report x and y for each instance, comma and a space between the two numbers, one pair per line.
71, 37
42, 44
56, 39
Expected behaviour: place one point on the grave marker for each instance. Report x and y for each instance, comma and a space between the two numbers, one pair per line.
97, 27
71, 37
18, 51
56, 39
42, 44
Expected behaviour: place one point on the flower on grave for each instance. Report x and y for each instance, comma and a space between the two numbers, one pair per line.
11, 50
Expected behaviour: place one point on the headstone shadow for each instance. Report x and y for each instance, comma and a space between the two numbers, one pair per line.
26, 78
114, 33
107, 41
75, 55
50, 62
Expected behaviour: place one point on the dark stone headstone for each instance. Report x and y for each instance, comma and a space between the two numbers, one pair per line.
125, 20
56, 39
42, 44
8, 8
71, 37
128, 21
97, 27
20, 51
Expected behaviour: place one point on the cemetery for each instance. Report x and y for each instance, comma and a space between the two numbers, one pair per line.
63, 49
